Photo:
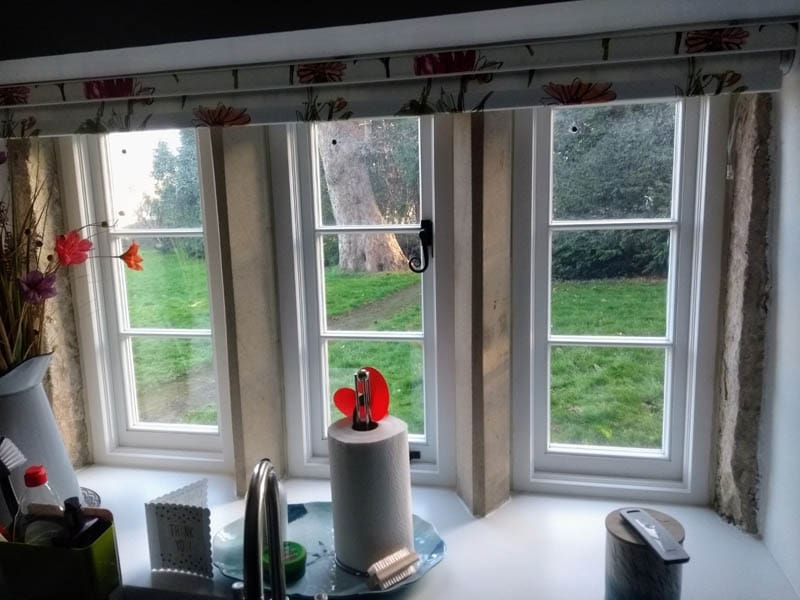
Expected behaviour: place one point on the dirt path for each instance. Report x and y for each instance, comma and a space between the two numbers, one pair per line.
365, 317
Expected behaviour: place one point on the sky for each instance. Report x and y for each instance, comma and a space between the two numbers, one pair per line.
130, 159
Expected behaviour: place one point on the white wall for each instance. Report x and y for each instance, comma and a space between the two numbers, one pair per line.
780, 455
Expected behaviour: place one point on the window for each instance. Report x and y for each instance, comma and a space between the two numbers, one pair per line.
360, 190
156, 331
610, 210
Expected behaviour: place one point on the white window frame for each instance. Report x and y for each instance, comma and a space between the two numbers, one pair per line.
291, 151
679, 472
103, 331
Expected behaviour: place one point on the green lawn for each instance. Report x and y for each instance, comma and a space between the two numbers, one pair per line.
608, 396
609, 307
171, 292
599, 396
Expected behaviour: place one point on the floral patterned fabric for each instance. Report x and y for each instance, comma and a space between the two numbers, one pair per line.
716, 40
640, 65
579, 92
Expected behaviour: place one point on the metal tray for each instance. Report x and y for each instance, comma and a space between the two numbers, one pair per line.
311, 525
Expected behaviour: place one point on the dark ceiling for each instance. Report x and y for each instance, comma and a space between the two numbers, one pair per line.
62, 29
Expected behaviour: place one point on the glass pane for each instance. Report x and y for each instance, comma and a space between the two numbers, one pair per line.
172, 289
154, 179
613, 162
368, 171
609, 282
399, 362
368, 285
175, 381
607, 396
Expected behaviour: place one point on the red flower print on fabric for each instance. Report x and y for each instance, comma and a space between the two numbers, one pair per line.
578, 92
108, 88
716, 40
322, 72
221, 115
446, 62
13, 95
124, 87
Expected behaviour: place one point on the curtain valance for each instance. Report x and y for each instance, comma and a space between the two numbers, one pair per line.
624, 66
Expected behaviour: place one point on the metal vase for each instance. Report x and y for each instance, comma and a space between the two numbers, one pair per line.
27, 420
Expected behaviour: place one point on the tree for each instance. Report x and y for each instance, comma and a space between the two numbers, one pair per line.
344, 148
176, 202
392, 157
612, 162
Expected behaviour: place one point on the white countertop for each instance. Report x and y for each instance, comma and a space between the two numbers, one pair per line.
534, 546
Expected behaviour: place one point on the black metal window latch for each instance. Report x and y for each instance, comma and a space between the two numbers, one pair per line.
415, 263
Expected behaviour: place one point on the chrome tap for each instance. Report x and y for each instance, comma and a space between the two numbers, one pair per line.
263, 493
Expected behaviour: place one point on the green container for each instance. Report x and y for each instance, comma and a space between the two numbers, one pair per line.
42, 573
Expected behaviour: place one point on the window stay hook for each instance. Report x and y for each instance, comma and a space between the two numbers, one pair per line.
426, 242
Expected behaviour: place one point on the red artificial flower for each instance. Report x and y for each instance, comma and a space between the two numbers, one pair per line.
322, 72
72, 249
14, 94
131, 257
225, 116
446, 62
579, 92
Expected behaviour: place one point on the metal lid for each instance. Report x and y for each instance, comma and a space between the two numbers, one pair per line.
616, 526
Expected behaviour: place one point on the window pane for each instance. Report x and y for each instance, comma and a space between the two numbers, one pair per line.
172, 289
399, 362
368, 285
368, 171
175, 380
609, 282
607, 396
154, 179
613, 162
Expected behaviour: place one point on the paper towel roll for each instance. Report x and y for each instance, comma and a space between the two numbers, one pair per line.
370, 491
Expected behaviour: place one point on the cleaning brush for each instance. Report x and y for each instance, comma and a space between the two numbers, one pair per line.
393, 569
10, 458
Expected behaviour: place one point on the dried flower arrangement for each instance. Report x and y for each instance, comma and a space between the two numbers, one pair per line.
29, 263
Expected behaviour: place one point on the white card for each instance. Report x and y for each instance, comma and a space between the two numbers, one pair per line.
179, 530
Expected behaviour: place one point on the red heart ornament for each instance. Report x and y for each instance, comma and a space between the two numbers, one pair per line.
345, 398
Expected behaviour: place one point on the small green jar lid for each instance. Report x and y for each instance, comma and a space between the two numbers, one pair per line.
294, 561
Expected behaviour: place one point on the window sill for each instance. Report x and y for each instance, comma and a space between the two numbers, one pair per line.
532, 546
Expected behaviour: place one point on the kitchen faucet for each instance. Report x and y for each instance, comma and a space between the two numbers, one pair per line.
263, 494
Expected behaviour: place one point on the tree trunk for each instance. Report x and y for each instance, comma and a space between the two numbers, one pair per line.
341, 149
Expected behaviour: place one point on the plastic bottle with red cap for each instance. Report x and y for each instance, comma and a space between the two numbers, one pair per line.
40, 518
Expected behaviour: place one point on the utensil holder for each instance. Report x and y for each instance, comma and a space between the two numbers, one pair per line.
30, 572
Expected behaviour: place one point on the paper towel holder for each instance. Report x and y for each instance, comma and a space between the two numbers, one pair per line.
363, 422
